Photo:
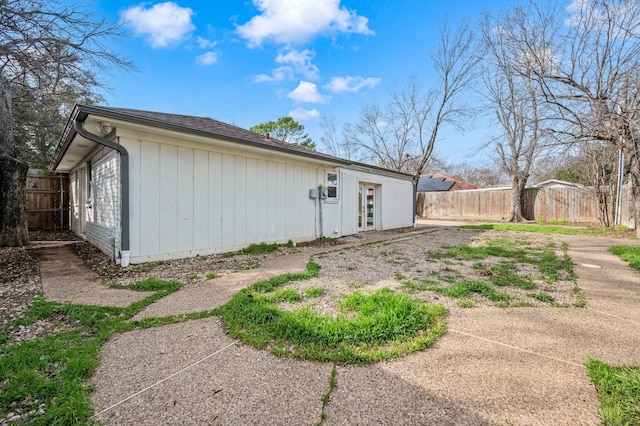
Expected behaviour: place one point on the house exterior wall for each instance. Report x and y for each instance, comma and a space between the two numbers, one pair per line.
192, 197
104, 214
94, 187
189, 198
394, 199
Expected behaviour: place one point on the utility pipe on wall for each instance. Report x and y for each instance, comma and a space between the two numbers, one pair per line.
124, 182
320, 207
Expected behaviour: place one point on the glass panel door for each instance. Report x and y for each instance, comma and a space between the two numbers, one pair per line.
370, 191
360, 208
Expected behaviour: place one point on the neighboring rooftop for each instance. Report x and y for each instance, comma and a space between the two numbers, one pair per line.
440, 182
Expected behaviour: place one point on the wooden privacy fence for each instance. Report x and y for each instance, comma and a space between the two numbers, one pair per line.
47, 200
554, 204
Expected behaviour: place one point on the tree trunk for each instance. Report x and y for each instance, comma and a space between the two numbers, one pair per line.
13, 214
635, 195
13, 179
517, 199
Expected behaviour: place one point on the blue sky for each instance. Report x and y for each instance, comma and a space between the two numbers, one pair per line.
247, 62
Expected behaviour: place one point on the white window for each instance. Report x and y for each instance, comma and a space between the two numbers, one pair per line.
332, 186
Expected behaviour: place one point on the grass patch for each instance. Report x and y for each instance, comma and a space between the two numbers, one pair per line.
466, 303
497, 261
619, 391
412, 287
630, 254
581, 300
314, 292
52, 369
540, 229
506, 275
261, 248
285, 295
210, 275
370, 327
541, 296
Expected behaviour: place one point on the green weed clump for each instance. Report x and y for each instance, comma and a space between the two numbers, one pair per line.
630, 254
369, 327
619, 391
261, 248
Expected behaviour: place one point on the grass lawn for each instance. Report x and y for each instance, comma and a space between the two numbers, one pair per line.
619, 391
630, 254
541, 229
44, 379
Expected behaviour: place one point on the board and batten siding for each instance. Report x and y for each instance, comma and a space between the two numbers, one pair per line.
188, 199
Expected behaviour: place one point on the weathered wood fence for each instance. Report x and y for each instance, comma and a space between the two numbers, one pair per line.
555, 204
47, 200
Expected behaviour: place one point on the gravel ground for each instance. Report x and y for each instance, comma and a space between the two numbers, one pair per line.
396, 263
200, 268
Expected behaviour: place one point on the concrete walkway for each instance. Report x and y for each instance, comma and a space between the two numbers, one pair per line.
516, 366
67, 278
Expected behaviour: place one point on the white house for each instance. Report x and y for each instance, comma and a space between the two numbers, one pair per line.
154, 186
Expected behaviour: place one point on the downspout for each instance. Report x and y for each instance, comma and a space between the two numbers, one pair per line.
415, 195
320, 207
124, 182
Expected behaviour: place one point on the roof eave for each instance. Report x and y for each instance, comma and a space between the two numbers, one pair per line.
85, 110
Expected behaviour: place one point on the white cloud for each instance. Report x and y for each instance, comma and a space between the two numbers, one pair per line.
300, 61
351, 84
206, 44
307, 92
278, 74
207, 58
163, 24
296, 21
301, 114
295, 63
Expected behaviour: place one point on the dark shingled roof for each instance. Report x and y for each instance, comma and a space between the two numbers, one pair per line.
428, 183
203, 126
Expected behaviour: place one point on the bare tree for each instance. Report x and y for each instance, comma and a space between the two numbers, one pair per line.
40, 41
600, 164
391, 135
336, 142
587, 64
595, 166
330, 139
514, 98
483, 175
402, 133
